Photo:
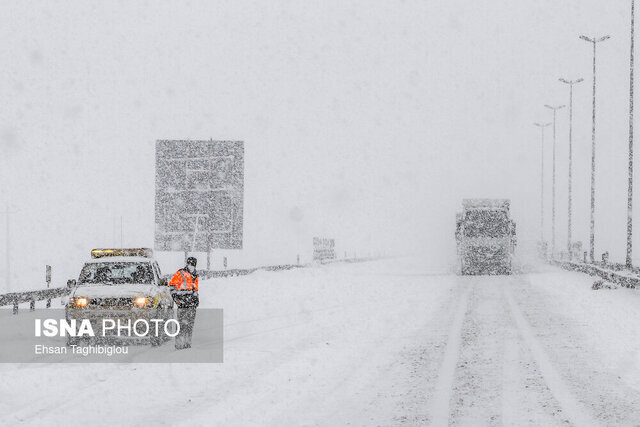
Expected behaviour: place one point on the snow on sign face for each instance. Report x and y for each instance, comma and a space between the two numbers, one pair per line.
323, 249
199, 195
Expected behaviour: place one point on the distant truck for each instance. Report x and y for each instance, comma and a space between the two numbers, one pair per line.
485, 237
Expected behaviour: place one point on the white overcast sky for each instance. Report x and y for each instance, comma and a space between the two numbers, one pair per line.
375, 118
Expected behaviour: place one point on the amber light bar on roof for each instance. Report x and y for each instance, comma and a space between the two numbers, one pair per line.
101, 253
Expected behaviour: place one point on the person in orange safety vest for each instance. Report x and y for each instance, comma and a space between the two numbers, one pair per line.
184, 291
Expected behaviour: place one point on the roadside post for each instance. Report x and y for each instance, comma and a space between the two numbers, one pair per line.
48, 279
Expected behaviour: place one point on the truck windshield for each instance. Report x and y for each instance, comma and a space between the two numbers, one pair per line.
116, 273
486, 223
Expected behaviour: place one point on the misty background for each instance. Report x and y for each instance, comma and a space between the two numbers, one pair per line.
369, 120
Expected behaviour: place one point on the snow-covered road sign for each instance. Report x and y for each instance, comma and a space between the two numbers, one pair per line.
199, 195
323, 249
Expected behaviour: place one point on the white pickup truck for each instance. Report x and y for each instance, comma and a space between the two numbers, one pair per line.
121, 284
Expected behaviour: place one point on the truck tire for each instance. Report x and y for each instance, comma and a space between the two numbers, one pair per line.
164, 314
508, 269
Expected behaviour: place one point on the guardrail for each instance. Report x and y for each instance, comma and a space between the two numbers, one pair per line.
616, 273
15, 298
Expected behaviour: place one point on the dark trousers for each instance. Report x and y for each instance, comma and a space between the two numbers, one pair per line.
186, 319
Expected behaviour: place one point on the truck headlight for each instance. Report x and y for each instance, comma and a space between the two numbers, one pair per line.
141, 301
82, 302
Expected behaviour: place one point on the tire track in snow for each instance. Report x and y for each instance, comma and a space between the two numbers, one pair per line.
444, 388
572, 408
509, 379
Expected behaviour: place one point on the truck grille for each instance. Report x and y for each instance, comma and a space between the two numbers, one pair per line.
486, 253
123, 302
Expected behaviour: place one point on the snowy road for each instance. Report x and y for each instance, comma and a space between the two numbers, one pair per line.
381, 343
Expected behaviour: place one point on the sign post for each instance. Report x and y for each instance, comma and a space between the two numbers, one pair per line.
48, 279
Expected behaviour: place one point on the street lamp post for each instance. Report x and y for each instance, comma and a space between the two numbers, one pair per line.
553, 183
570, 83
541, 126
594, 41
630, 187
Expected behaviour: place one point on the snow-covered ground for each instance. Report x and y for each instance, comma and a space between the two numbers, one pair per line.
380, 343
